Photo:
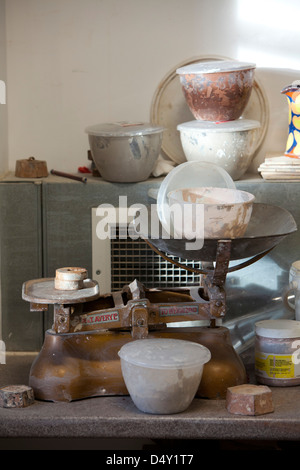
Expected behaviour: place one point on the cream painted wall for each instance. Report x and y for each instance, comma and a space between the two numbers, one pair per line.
3, 107
72, 63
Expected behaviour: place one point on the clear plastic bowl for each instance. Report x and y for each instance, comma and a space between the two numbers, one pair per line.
162, 375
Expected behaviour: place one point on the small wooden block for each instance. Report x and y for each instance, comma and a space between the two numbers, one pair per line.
249, 400
31, 168
16, 396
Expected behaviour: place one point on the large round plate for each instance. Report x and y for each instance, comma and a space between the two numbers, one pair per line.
169, 108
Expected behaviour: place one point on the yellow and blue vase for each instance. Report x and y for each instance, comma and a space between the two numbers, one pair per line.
292, 93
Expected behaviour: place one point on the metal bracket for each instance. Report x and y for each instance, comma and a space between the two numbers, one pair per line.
139, 319
34, 307
222, 263
217, 299
214, 282
62, 318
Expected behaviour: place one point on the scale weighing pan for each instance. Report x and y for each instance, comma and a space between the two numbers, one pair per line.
267, 227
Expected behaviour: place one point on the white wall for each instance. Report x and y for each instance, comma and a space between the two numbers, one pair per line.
3, 107
72, 63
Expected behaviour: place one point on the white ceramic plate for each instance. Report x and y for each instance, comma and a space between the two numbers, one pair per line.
169, 108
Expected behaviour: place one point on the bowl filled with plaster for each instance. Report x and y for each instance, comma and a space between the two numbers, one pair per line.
217, 90
209, 212
162, 375
230, 145
190, 174
125, 152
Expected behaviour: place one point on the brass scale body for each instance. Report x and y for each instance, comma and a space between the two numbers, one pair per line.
79, 357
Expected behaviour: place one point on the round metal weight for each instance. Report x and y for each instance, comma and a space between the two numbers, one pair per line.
70, 278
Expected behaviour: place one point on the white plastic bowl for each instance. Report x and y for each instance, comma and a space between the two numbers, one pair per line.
162, 375
231, 145
226, 212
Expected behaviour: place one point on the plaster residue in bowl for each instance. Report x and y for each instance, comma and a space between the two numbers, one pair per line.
217, 196
226, 212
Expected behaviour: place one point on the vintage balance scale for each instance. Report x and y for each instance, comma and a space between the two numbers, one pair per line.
79, 357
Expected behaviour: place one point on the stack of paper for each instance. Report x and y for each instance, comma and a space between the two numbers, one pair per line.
280, 168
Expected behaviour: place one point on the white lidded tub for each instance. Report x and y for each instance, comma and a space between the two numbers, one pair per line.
162, 375
230, 145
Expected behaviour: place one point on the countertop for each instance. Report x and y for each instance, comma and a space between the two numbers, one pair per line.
9, 177
115, 419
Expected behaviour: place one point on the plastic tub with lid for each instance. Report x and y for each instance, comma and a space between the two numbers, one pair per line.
125, 152
230, 145
217, 90
162, 375
277, 352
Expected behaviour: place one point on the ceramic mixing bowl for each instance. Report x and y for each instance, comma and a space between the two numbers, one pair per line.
218, 90
230, 145
125, 152
225, 212
188, 175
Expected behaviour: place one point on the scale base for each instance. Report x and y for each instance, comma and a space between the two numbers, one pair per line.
82, 365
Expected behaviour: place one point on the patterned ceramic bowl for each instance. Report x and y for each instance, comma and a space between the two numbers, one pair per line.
217, 91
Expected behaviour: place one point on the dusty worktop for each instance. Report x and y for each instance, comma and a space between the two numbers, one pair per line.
10, 177
117, 417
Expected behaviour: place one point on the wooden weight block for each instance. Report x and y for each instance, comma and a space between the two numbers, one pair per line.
16, 396
31, 168
249, 400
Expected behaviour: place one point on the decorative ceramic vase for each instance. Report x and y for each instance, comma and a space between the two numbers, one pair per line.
292, 93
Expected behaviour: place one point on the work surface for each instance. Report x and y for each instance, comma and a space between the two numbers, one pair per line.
111, 418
